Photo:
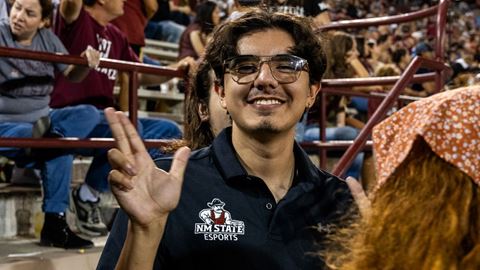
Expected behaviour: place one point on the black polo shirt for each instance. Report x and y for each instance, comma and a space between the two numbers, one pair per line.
249, 230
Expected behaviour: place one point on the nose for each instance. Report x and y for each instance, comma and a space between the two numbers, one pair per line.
20, 14
265, 77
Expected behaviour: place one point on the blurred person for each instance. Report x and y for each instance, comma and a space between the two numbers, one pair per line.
323, 17
401, 58
342, 124
196, 36
87, 23
3, 10
25, 88
162, 27
425, 208
205, 115
240, 7
313, 8
136, 13
423, 50
254, 169
181, 11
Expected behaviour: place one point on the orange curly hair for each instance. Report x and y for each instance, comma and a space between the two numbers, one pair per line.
426, 216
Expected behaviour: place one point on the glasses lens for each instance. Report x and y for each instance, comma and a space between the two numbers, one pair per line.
244, 68
284, 68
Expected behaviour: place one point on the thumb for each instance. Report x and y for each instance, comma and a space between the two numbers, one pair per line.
180, 161
359, 195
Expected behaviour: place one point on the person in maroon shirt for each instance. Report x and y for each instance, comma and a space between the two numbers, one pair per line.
79, 26
135, 17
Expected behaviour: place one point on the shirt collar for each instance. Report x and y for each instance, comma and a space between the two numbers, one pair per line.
230, 167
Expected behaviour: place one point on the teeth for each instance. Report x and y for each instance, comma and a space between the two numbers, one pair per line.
266, 101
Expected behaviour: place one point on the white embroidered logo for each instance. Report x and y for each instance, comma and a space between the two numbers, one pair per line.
104, 46
218, 223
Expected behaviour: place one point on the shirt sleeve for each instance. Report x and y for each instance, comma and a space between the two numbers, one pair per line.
54, 45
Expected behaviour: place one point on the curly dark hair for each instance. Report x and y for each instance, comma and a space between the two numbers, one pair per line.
308, 44
197, 132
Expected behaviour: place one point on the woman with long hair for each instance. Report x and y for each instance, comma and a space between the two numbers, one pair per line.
205, 117
195, 37
425, 208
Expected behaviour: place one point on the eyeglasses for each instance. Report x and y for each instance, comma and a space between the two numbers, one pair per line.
285, 68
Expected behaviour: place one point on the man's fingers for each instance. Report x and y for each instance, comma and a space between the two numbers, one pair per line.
359, 195
135, 142
93, 57
120, 180
180, 161
118, 132
118, 161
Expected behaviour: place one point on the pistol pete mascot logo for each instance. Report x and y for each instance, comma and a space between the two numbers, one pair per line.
218, 223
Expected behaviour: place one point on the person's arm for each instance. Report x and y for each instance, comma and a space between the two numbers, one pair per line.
151, 6
184, 9
360, 72
152, 79
70, 10
353, 122
146, 193
76, 73
197, 42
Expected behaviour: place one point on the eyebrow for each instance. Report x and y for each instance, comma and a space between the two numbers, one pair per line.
29, 10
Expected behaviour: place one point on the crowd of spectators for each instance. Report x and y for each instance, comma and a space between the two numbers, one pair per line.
368, 51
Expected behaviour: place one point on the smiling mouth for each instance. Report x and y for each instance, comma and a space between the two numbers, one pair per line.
266, 102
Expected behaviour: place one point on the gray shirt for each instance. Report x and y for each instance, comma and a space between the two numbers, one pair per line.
25, 85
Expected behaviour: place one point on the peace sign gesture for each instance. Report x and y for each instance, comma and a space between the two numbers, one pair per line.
145, 192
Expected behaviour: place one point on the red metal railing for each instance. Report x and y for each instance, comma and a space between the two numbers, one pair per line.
339, 86
132, 68
334, 86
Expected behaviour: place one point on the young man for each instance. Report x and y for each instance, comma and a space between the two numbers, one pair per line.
79, 26
279, 203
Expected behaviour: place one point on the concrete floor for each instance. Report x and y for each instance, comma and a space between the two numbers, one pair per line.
27, 254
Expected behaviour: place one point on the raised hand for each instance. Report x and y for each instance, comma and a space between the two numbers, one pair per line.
146, 193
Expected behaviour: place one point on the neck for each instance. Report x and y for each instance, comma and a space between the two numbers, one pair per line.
99, 15
271, 158
23, 41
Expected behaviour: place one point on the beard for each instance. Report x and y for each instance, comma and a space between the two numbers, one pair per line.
265, 127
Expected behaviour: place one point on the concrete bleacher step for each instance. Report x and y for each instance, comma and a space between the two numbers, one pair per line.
22, 220
161, 50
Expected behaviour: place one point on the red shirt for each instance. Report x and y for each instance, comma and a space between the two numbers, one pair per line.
97, 87
132, 22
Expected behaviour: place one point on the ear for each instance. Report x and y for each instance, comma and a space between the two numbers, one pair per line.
203, 113
220, 90
314, 89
